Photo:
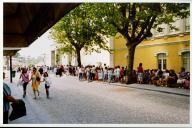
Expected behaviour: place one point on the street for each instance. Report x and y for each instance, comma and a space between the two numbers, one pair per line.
74, 102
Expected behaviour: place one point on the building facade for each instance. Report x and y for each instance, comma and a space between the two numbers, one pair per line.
168, 49
86, 59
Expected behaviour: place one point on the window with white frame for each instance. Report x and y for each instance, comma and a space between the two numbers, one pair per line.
162, 61
186, 60
187, 25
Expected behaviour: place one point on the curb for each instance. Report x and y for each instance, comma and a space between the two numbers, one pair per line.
168, 92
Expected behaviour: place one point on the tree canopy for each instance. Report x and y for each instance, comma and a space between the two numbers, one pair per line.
78, 30
134, 21
86, 25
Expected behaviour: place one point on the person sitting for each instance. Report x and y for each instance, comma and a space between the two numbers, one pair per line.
153, 77
160, 78
134, 76
165, 77
182, 77
7, 98
146, 77
172, 79
187, 81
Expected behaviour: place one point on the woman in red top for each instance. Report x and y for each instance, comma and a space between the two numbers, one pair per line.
140, 74
122, 74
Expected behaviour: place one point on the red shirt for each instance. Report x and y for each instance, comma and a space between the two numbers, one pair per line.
140, 70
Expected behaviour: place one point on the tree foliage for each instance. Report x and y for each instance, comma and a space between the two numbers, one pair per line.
78, 30
85, 26
134, 21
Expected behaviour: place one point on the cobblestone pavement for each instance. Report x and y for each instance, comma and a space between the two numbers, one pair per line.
74, 102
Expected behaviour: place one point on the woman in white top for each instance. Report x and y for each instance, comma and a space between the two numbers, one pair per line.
105, 74
117, 73
47, 81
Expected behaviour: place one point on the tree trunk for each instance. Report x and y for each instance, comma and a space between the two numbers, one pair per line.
78, 57
130, 59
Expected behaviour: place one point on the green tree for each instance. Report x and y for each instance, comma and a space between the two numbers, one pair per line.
134, 21
77, 31
17, 55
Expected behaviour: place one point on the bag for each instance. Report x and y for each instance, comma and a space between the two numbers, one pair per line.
19, 110
38, 78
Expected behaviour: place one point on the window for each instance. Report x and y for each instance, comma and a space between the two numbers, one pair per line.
186, 60
162, 62
187, 28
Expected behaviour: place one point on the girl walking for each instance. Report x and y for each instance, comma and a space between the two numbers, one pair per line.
25, 79
47, 81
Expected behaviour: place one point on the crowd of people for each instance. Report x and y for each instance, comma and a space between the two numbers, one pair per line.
104, 73
27, 74
91, 73
168, 78
35, 75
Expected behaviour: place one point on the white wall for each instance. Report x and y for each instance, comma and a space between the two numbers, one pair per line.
94, 58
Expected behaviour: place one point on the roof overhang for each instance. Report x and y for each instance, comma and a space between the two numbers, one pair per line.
23, 23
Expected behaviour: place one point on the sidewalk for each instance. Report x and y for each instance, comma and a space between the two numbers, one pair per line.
176, 91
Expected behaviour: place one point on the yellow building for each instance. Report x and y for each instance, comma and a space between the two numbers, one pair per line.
166, 50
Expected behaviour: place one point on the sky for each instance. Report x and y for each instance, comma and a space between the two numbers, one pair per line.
43, 45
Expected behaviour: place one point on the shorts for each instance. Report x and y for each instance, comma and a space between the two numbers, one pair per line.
140, 76
46, 86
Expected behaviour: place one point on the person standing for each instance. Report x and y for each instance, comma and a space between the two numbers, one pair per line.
25, 78
47, 81
122, 74
140, 74
105, 74
35, 78
41, 70
117, 74
182, 77
93, 73
88, 72
80, 73
7, 98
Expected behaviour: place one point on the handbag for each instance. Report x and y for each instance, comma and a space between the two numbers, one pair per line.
19, 110
38, 78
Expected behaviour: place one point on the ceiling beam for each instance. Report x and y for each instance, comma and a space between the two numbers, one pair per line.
9, 52
13, 40
50, 14
25, 22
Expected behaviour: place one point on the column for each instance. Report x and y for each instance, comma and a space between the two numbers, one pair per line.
11, 69
111, 45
